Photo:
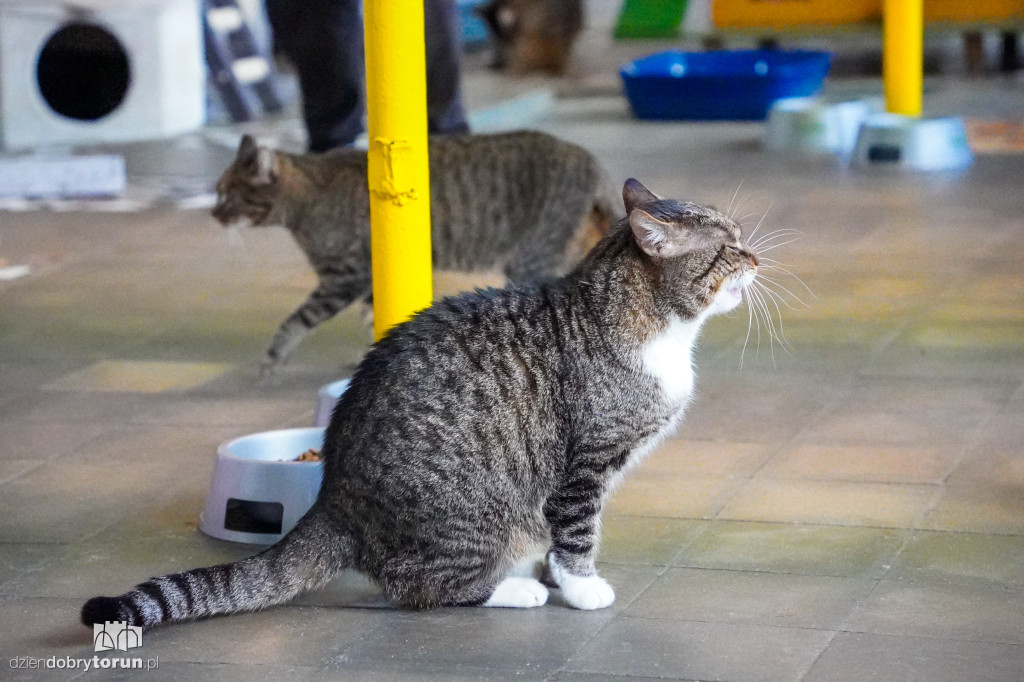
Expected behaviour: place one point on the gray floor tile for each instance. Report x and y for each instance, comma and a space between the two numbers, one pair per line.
645, 539
792, 548
961, 557
257, 414
21, 559
858, 657
701, 651
42, 627
64, 502
779, 600
343, 671
977, 612
109, 567
215, 672
34, 441
531, 640
284, 635
598, 677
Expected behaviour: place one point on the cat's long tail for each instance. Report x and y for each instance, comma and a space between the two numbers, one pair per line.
305, 559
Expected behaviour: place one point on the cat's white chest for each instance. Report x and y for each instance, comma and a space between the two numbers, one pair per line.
668, 358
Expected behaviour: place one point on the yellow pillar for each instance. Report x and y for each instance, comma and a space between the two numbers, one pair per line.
903, 56
398, 169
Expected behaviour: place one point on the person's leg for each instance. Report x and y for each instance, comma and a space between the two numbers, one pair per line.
324, 40
445, 113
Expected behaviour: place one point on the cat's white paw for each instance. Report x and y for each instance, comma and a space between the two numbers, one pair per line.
582, 592
518, 593
592, 592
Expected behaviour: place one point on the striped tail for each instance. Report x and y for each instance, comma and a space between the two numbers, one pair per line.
305, 559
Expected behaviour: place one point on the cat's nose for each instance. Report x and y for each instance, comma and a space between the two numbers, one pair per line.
743, 251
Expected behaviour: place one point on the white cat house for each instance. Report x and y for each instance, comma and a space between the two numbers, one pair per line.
93, 71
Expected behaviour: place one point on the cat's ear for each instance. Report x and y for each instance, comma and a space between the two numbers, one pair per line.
635, 195
247, 149
260, 161
266, 166
657, 239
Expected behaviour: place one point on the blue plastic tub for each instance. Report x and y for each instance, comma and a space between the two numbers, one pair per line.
724, 84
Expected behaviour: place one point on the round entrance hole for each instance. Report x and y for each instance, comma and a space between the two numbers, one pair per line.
83, 72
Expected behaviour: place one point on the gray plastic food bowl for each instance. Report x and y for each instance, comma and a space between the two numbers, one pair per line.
254, 496
904, 142
326, 398
809, 125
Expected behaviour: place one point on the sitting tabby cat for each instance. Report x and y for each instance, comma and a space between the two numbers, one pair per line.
487, 432
532, 35
524, 203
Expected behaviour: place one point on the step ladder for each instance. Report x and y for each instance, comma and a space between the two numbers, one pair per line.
241, 73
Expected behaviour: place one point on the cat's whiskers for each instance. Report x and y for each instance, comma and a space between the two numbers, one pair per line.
728, 211
772, 247
773, 235
752, 301
766, 294
760, 222
742, 219
761, 299
778, 284
739, 206
774, 332
772, 264
772, 297
768, 320
750, 323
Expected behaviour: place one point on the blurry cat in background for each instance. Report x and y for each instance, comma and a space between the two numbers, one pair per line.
524, 204
533, 35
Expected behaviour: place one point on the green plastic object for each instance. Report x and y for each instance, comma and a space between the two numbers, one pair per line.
650, 19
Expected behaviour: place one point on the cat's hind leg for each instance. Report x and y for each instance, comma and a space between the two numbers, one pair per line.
324, 303
522, 587
518, 593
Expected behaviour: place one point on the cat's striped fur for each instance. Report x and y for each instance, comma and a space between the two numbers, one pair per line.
490, 428
525, 204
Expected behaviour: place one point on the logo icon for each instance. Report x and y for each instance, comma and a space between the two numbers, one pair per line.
116, 636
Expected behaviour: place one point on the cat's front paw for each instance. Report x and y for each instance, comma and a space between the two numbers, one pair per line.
268, 374
592, 592
582, 592
518, 593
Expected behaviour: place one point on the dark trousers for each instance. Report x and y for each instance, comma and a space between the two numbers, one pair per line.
324, 41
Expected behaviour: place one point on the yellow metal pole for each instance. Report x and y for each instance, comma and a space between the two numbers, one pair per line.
903, 55
398, 169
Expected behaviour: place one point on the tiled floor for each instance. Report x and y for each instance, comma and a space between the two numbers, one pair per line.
849, 509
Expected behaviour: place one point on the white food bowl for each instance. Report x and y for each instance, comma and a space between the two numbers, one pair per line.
254, 496
326, 398
810, 125
906, 142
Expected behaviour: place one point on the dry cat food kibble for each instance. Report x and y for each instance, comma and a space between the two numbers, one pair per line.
310, 455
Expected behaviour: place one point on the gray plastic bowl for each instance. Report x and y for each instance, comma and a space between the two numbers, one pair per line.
326, 398
254, 497
904, 142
